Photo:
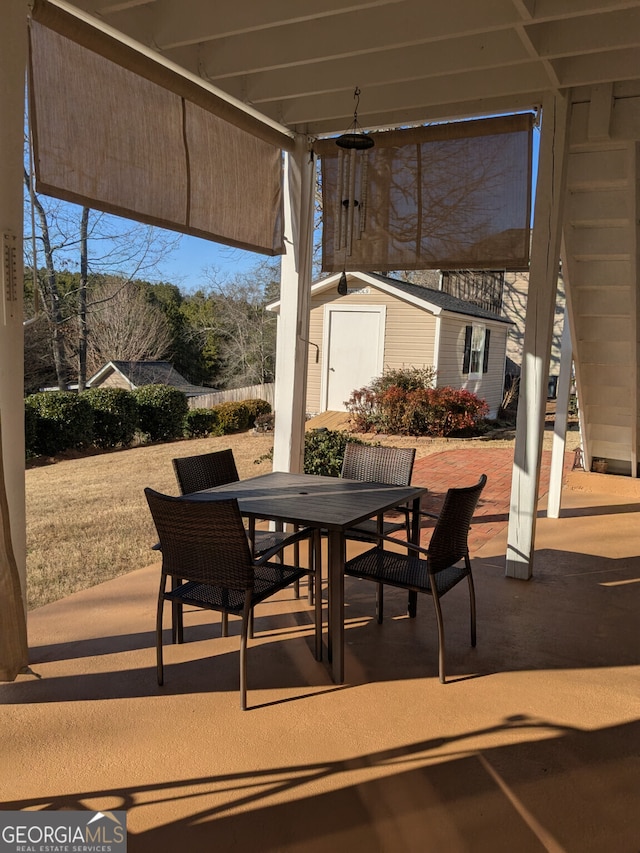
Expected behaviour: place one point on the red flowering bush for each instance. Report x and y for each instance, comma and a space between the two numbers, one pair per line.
414, 408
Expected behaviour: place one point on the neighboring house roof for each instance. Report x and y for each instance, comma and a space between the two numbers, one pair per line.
435, 301
138, 373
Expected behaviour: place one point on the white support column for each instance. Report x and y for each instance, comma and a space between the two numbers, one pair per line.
543, 278
293, 320
13, 52
560, 422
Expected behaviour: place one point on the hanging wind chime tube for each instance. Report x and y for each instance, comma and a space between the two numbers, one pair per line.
351, 190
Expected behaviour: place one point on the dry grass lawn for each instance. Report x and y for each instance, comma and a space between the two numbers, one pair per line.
88, 521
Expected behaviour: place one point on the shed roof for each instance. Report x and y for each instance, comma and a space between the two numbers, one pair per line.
139, 373
427, 298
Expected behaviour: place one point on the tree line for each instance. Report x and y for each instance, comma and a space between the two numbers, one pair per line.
93, 300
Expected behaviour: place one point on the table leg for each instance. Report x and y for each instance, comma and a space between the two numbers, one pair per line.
412, 604
335, 634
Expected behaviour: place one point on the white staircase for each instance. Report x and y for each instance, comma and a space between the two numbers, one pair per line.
600, 258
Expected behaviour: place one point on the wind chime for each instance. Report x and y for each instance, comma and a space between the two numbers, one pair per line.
351, 192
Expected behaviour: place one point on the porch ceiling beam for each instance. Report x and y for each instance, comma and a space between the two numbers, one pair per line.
397, 65
588, 34
449, 111
616, 65
171, 24
387, 99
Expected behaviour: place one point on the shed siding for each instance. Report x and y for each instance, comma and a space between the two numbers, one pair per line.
409, 334
489, 386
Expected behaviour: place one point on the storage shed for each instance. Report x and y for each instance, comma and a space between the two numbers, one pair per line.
134, 374
383, 323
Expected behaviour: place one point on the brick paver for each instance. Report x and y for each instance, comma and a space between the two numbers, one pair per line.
460, 467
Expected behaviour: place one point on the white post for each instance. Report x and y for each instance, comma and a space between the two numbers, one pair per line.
293, 320
560, 422
13, 53
534, 379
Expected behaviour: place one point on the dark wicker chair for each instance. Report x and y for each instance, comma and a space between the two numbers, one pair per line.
206, 554
208, 470
391, 465
437, 571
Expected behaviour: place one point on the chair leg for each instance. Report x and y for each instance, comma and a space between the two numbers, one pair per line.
436, 604
177, 621
159, 663
472, 603
247, 616
412, 604
250, 624
224, 628
379, 602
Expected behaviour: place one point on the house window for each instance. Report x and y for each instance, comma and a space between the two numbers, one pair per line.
476, 351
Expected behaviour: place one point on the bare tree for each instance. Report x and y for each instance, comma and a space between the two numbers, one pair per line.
48, 286
68, 238
245, 330
124, 325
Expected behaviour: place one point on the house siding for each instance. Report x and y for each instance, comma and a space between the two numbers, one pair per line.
489, 385
514, 307
409, 334
114, 380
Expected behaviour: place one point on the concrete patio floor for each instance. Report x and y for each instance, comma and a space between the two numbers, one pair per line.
532, 745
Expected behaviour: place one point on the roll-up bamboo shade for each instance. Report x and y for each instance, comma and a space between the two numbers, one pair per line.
112, 139
447, 196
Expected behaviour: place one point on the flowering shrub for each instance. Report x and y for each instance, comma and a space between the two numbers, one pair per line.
410, 406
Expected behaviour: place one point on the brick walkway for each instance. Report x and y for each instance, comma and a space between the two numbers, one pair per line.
461, 467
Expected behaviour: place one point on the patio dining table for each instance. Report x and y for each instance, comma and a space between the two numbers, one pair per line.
331, 504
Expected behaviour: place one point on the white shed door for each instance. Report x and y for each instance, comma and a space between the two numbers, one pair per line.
355, 351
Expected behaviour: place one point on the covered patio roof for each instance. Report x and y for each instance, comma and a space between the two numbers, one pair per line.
416, 61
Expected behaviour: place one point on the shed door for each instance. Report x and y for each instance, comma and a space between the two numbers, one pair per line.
354, 351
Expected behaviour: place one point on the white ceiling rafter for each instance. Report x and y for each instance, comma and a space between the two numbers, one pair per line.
297, 62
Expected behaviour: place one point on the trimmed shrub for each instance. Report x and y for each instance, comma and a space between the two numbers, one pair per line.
234, 416
115, 416
162, 410
202, 422
324, 451
64, 421
30, 430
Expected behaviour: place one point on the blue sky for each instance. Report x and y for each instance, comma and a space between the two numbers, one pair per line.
187, 265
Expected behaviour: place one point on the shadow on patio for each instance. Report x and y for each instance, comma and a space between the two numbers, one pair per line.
532, 745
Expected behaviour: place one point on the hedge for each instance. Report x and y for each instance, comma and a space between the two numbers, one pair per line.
162, 411
115, 416
64, 421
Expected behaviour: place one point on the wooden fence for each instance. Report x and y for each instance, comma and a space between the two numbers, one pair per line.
234, 395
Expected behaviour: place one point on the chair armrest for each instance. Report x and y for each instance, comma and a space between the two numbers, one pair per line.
403, 544
305, 533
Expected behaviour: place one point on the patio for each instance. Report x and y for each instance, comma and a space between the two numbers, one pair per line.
533, 745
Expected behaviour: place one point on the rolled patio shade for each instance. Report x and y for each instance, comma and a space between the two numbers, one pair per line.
115, 140
448, 196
